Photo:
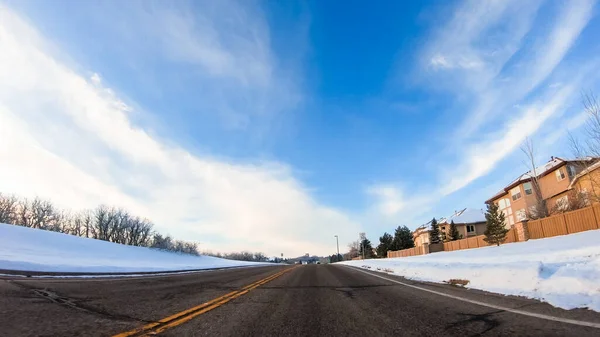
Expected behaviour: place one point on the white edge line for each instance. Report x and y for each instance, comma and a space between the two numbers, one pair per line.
493, 306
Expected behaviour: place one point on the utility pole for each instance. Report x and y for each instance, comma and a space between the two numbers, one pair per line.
337, 242
362, 238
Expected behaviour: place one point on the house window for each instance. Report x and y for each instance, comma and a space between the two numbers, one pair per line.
521, 215
560, 174
516, 193
443, 228
571, 170
470, 229
528, 189
503, 203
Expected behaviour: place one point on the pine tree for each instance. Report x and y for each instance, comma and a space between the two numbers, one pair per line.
495, 232
403, 237
366, 249
434, 233
454, 234
385, 243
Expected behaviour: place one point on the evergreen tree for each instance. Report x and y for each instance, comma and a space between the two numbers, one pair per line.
434, 233
402, 238
385, 243
454, 234
335, 258
495, 232
366, 249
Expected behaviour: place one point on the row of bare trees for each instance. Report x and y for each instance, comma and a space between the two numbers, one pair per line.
102, 223
240, 256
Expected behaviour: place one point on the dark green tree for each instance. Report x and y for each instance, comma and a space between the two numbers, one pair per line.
403, 239
434, 233
366, 249
385, 243
495, 231
335, 258
454, 234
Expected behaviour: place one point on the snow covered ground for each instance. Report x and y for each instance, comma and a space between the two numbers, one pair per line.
563, 271
29, 249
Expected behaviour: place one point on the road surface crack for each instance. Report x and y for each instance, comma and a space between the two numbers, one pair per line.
76, 304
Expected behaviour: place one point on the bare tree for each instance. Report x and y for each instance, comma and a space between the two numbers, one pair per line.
81, 224
539, 210
103, 223
8, 208
583, 167
353, 250
23, 214
591, 146
592, 125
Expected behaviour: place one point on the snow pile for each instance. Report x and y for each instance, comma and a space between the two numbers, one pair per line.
563, 271
28, 249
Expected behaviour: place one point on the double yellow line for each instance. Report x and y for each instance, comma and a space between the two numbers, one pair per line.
186, 315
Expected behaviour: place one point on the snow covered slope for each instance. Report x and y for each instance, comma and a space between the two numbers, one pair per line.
37, 250
563, 271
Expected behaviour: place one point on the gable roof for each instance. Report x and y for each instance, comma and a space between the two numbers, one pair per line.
587, 170
540, 171
465, 216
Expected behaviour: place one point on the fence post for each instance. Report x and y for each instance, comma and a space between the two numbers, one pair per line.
542, 227
595, 218
565, 222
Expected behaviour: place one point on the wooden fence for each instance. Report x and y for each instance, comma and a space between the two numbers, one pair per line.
477, 241
580, 220
406, 252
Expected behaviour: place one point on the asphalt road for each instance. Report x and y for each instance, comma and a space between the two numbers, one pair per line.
308, 300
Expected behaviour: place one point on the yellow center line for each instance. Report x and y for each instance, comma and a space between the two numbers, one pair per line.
186, 315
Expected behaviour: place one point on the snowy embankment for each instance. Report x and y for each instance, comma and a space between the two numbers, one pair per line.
28, 249
563, 271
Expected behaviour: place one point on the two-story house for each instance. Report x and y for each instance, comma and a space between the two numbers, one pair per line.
469, 222
421, 235
517, 199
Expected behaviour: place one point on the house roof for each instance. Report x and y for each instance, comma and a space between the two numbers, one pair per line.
466, 216
539, 171
420, 230
587, 170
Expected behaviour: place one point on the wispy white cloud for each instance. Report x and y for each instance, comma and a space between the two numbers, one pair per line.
481, 157
68, 137
223, 50
496, 60
509, 78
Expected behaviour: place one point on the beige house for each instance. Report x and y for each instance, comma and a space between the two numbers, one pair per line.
558, 178
469, 222
421, 236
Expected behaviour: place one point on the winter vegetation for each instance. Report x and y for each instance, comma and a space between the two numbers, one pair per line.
495, 232
37, 250
102, 223
434, 233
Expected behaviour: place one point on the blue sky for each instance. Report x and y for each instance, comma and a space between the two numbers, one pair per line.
275, 125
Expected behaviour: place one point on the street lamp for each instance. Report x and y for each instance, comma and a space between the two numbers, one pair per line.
337, 242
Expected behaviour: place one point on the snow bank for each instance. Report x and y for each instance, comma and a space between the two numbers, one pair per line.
563, 271
28, 249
